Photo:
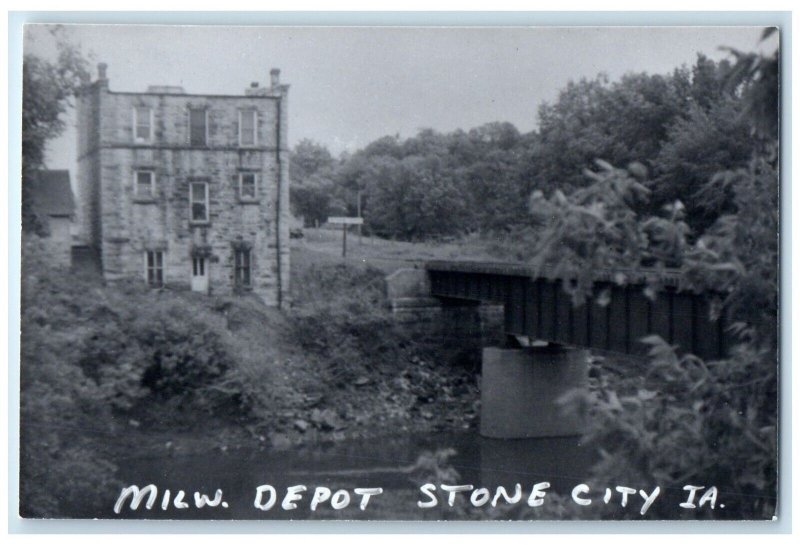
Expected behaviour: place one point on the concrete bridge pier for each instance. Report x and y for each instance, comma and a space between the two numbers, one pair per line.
521, 391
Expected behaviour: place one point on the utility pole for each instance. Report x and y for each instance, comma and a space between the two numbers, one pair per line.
358, 206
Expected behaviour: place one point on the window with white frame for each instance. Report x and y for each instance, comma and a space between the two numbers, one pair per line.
198, 198
142, 124
248, 186
154, 267
144, 184
242, 263
248, 124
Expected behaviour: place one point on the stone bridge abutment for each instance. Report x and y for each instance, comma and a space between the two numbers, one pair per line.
521, 386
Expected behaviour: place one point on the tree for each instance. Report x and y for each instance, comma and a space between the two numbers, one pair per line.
504, 136
47, 91
757, 77
682, 127
494, 192
685, 420
309, 158
706, 141
314, 199
482, 185
311, 170
571, 135
709, 81
413, 198
620, 122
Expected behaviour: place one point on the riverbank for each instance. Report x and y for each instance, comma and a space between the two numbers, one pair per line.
114, 372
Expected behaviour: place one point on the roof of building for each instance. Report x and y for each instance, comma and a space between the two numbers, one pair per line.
51, 193
166, 89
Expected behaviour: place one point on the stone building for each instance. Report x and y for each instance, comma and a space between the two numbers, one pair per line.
187, 190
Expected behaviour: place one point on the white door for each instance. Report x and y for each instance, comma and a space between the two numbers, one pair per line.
200, 274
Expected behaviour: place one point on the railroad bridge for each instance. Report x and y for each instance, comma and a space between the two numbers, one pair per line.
549, 337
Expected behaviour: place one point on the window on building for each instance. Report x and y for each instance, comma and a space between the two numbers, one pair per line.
197, 126
248, 185
242, 267
142, 124
145, 184
198, 197
154, 267
248, 121
198, 266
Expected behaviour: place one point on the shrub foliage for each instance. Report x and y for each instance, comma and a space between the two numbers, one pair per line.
683, 420
93, 357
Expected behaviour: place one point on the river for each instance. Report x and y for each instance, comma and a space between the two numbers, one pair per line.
397, 464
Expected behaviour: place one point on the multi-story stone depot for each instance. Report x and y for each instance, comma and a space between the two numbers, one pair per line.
187, 190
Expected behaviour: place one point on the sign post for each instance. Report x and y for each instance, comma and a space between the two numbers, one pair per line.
344, 222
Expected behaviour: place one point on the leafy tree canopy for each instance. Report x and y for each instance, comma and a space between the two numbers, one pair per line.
47, 91
681, 128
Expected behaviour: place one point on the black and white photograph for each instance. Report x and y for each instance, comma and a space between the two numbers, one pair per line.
400, 273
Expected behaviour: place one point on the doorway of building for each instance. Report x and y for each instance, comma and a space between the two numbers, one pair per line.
200, 274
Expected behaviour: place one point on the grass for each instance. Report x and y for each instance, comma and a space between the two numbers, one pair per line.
325, 246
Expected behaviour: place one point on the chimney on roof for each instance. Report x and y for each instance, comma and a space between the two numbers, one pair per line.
102, 79
275, 78
254, 85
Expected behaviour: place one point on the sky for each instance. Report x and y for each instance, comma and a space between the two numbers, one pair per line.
352, 85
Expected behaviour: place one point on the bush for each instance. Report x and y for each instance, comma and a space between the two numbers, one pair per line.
62, 411
90, 354
339, 309
684, 420
688, 421
160, 349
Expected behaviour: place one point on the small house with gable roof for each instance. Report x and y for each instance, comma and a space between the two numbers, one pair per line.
53, 204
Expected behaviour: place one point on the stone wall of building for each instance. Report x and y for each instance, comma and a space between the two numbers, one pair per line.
124, 225
284, 214
88, 175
